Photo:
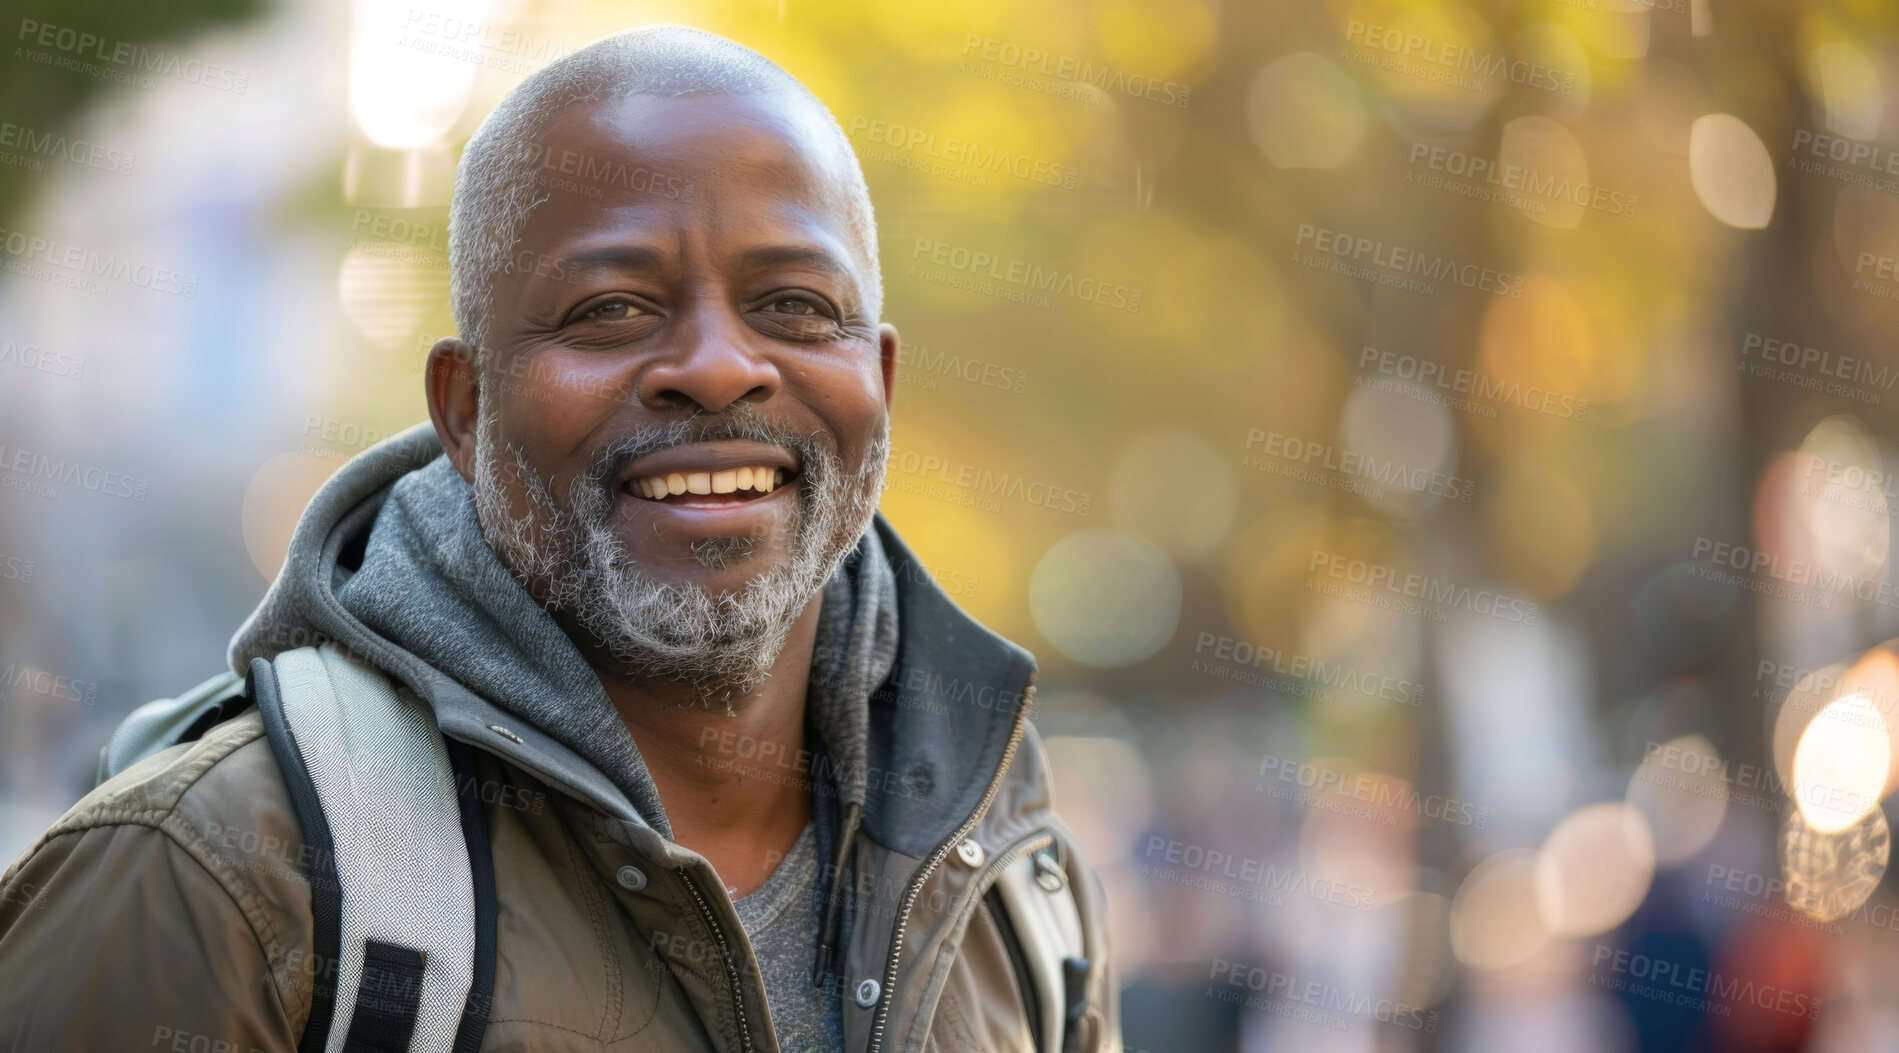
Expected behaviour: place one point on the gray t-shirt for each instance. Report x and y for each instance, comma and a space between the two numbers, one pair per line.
781, 919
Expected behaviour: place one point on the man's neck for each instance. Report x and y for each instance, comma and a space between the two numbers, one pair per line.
736, 787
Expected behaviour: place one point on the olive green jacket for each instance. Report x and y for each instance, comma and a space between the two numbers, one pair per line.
170, 909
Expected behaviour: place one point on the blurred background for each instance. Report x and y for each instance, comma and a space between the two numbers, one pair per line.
1437, 451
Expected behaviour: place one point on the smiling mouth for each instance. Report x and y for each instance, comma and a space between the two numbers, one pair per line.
728, 486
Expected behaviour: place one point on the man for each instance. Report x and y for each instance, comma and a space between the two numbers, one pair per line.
749, 779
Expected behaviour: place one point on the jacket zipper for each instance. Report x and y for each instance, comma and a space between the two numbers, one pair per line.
725, 952
935, 859
1035, 842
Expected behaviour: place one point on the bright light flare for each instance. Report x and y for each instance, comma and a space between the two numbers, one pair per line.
1841, 764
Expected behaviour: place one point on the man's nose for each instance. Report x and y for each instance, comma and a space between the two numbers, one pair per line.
713, 367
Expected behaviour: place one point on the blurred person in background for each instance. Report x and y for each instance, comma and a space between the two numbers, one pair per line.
749, 778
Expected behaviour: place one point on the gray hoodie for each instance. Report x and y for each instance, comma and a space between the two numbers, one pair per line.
388, 561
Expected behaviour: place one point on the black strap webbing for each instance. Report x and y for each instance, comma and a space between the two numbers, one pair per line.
1074, 998
386, 999
481, 868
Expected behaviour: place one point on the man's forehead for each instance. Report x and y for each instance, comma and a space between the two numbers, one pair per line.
725, 160
707, 138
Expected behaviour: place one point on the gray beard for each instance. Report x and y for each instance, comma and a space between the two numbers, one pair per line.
569, 556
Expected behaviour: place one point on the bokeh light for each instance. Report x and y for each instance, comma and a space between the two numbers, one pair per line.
1733, 175
1173, 489
1846, 82
1830, 873
1408, 444
1105, 597
1594, 869
1841, 764
407, 88
1495, 920
1682, 796
1305, 112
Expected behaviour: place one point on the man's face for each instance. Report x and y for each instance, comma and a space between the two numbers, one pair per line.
684, 312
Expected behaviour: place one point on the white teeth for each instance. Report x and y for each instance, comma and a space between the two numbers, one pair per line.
759, 478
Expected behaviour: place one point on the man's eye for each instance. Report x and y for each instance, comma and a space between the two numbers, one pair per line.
794, 306
611, 311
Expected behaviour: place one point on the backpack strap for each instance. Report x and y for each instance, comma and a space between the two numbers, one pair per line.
1040, 908
401, 881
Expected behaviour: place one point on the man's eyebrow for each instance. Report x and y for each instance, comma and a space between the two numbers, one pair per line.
619, 257
640, 257
792, 255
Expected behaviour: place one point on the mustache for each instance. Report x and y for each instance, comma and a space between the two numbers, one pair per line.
742, 421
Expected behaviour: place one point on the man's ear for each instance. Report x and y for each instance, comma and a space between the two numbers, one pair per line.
887, 344
452, 381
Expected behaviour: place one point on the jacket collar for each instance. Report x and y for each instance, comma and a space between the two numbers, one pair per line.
942, 722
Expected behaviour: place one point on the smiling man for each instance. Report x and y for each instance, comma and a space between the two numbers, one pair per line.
729, 771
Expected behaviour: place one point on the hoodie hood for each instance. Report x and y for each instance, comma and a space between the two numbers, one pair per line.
388, 561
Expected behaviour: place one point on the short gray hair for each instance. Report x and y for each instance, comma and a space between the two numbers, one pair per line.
495, 184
